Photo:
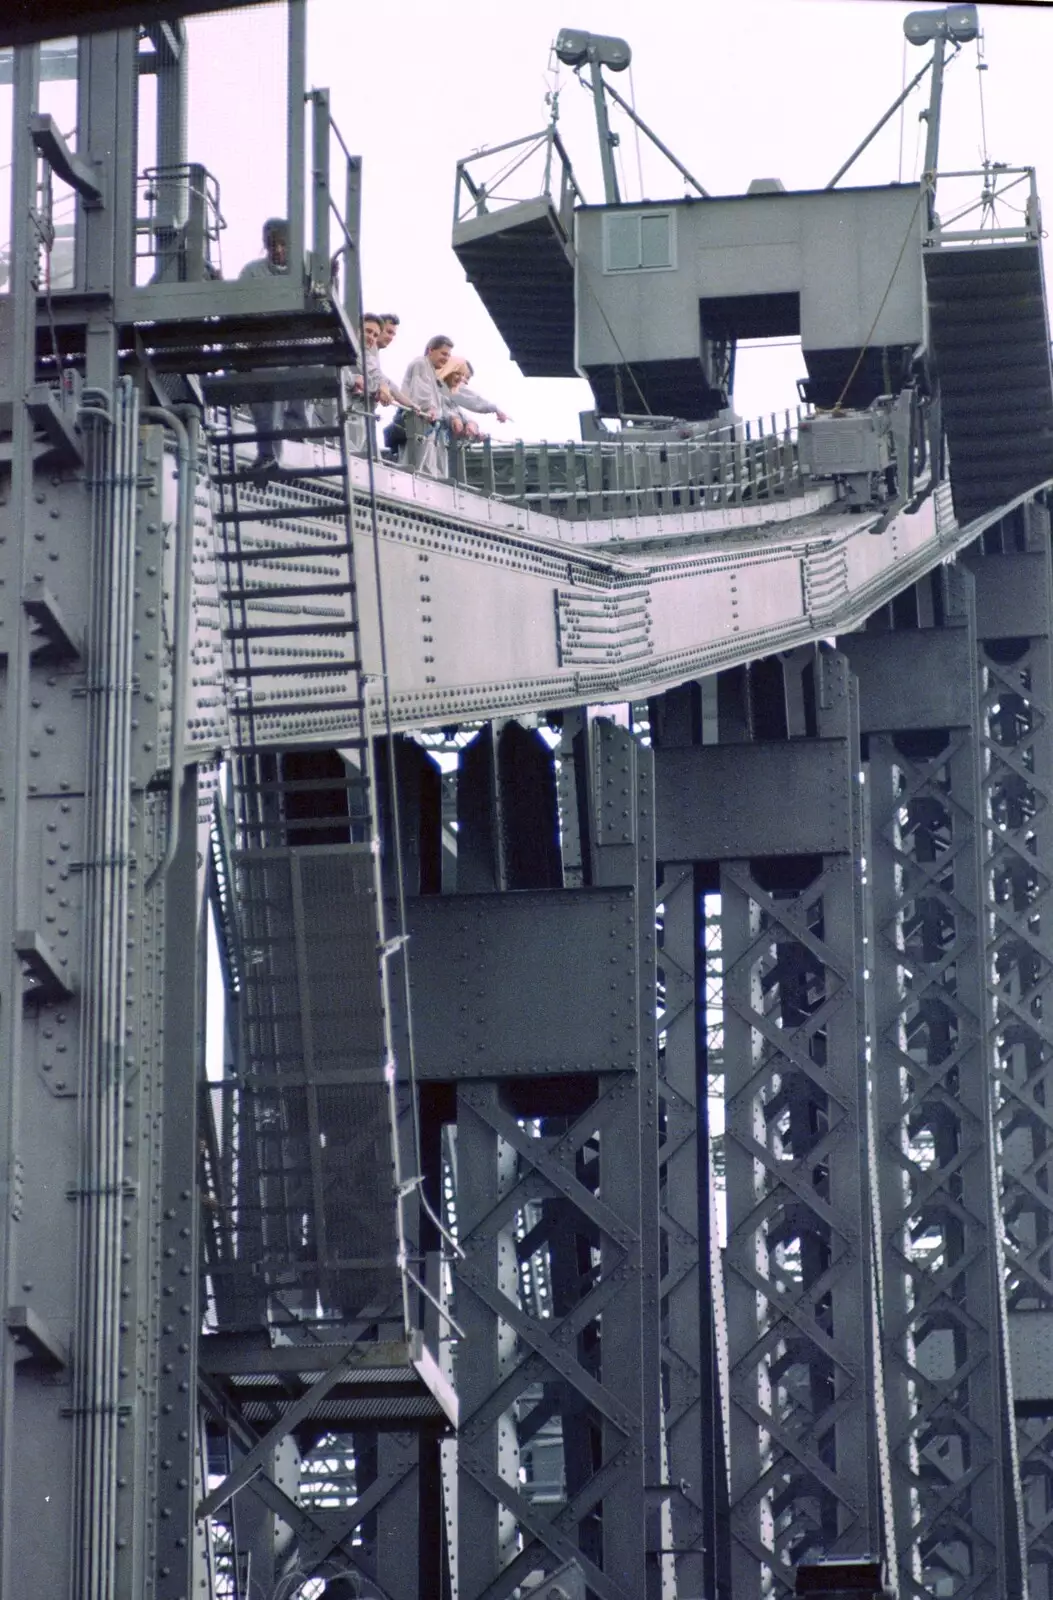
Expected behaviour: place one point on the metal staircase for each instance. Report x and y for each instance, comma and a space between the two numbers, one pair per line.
314, 1235
990, 335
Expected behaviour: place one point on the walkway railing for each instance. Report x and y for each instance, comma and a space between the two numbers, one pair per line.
997, 204
483, 183
735, 464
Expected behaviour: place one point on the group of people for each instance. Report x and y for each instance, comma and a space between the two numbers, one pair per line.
434, 392
435, 402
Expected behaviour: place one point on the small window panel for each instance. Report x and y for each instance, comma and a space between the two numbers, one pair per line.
638, 241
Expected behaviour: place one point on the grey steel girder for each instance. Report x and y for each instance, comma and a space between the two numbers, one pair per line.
566, 613
955, 1479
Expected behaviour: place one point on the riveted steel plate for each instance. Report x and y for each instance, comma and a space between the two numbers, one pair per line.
1012, 596
1031, 1351
523, 983
920, 678
725, 802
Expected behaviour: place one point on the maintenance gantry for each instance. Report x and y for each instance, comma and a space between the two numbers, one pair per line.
520, 809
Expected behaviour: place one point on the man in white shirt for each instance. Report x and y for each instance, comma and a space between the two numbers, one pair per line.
426, 451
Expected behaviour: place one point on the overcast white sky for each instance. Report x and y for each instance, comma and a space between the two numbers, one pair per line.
782, 88
738, 88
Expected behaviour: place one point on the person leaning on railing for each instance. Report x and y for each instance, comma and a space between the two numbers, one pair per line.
370, 383
424, 448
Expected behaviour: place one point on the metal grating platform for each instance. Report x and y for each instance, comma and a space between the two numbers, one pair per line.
393, 1382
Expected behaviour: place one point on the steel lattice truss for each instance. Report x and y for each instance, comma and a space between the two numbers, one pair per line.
944, 1317
1016, 704
796, 1257
584, 1171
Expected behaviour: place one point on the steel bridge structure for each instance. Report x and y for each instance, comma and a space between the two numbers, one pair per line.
514, 809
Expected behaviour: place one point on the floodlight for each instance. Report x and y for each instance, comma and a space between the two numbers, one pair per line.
574, 47
959, 23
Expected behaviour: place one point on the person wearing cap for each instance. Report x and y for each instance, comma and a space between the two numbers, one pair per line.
272, 416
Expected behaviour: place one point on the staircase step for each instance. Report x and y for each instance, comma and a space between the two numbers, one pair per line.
285, 552
251, 479
293, 669
248, 751
303, 785
292, 630
280, 513
288, 591
297, 708
273, 436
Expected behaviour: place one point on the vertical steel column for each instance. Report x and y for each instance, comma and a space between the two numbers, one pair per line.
557, 1212
623, 840
954, 1478
807, 1457
296, 86
691, 1403
177, 1442
353, 224
320, 270
1014, 596
695, 1466
107, 133
14, 722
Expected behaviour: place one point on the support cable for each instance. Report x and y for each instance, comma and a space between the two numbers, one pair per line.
981, 68
927, 186
400, 943
902, 110
401, 940
636, 130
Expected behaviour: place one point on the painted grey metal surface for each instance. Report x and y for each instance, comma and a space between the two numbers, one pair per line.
885, 961
837, 251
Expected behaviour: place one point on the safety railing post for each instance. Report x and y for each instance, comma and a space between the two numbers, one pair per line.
353, 224
543, 485
195, 252
320, 191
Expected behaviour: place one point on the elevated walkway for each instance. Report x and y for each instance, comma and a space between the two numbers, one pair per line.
495, 607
